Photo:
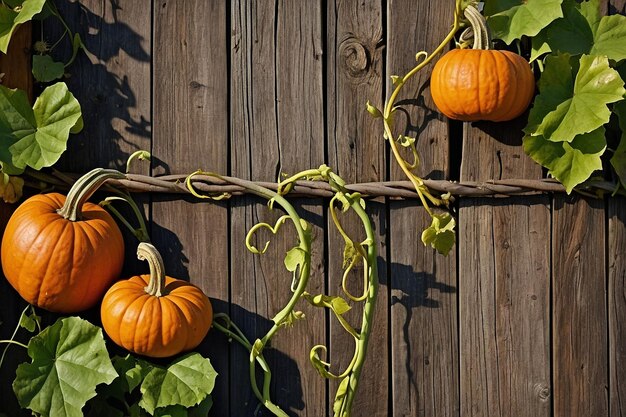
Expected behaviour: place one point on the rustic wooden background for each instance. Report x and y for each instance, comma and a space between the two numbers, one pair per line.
524, 318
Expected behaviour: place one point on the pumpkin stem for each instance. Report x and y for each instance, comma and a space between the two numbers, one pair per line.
482, 34
147, 252
82, 189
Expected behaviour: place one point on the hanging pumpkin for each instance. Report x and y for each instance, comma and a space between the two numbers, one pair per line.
62, 253
479, 83
155, 315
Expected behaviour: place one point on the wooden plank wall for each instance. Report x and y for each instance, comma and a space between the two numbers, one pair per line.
524, 318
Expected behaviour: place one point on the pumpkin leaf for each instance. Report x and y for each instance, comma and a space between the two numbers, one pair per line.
610, 37
56, 111
69, 359
510, 19
440, 235
37, 136
583, 30
186, 382
12, 18
569, 162
200, 410
564, 110
571, 34
45, 69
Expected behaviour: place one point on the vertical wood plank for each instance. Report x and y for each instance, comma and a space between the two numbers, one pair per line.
617, 305
504, 282
111, 81
277, 125
579, 308
190, 132
16, 66
16, 63
357, 153
423, 284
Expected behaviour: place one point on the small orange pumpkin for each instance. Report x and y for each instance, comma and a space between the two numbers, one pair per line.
62, 253
155, 315
481, 84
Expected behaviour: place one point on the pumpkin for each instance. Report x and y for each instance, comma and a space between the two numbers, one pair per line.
155, 315
481, 84
62, 253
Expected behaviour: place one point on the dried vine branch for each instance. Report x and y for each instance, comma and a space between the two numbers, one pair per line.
174, 184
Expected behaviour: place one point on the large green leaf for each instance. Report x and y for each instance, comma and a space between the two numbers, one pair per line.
571, 163
571, 34
610, 37
510, 20
45, 69
11, 19
36, 137
186, 382
69, 359
582, 107
583, 30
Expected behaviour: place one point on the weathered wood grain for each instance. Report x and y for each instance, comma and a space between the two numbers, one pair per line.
617, 305
357, 152
277, 126
504, 282
424, 340
190, 95
16, 66
579, 328
16, 63
111, 81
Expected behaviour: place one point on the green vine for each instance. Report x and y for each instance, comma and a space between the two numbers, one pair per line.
440, 235
297, 261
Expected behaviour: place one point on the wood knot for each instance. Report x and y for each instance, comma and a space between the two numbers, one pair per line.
542, 391
354, 57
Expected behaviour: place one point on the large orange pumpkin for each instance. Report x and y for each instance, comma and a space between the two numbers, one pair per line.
155, 315
476, 84
479, 83
62, 253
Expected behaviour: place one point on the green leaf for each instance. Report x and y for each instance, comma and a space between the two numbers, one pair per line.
29, 321
36, 137
11, 19
610, 37
510, 20
590, 11
45, 69
539, 45
571, 163
334, 302
373, 110
69, 359
572, 34
294, 258
440, 235
340, 395
186, 382
582, 107
201, 410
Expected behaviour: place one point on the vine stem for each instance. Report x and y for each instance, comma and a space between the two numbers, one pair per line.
422, 192
11, 341
304, 244
368, 308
